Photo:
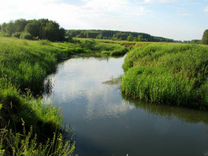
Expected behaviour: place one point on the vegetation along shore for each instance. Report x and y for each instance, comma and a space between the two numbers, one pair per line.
28, 125
162, 73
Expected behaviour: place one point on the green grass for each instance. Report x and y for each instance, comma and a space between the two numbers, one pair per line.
167, 73
23, 67
27, 144
101, 48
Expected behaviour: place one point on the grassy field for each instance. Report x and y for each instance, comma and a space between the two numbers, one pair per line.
167, 73
25, 121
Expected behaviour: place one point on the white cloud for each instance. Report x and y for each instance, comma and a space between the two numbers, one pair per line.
184, 12
89, 14
159, 1
206, 9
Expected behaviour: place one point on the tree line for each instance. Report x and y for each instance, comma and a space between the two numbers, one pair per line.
116, 35
34, 29
50, 30
205, 37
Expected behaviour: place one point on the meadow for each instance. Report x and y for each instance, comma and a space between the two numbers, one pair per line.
28, 125
165, 73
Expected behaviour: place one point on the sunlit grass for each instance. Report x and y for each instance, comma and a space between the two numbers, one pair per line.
26, 144
167, 73
23, 68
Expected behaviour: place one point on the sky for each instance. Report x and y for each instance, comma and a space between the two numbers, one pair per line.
176, 19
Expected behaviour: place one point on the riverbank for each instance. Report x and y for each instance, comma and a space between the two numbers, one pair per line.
25, 120
174, 74
100, 116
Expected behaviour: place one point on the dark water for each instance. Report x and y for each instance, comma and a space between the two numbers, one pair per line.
107, 124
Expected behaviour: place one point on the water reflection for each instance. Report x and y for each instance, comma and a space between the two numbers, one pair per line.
185, 114
106, 123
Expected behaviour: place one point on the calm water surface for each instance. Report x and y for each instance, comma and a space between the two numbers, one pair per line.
106, 124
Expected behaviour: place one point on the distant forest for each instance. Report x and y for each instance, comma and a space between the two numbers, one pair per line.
50, 30
116, 35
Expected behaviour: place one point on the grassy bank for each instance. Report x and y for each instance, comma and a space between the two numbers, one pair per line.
168, 73
25, 121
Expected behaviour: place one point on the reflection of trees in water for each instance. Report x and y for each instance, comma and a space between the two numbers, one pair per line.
48, 86
185, 114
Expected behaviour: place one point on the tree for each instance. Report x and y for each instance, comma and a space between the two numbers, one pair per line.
53, 32
205, 37
130, 38
20, 25
10, 28
33, 27
99, 36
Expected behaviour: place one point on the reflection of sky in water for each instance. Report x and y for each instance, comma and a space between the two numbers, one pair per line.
75, 85
106, 123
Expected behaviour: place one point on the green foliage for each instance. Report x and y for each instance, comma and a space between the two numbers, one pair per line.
27, 144
16, 34
130, 38
196, 41
157, 85
205, 37
116, 35
34, 29
25, 35
104, 49
23, 66
167, 73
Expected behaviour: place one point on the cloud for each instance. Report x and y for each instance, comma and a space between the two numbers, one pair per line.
159, 1
206, 9
184, 12
150, 16
88, 14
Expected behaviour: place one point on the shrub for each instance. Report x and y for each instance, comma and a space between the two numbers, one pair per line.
16, 34
26, 35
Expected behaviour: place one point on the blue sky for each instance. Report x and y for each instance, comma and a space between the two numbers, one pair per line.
177, 19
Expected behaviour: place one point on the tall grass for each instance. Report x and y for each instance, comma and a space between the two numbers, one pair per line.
23, 68
167, 73
27, 144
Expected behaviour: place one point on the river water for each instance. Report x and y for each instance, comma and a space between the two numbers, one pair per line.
105, 123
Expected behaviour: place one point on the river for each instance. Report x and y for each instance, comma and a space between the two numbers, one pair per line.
105, 123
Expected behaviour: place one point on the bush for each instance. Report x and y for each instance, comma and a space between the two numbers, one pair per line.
26, 35
16, 34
